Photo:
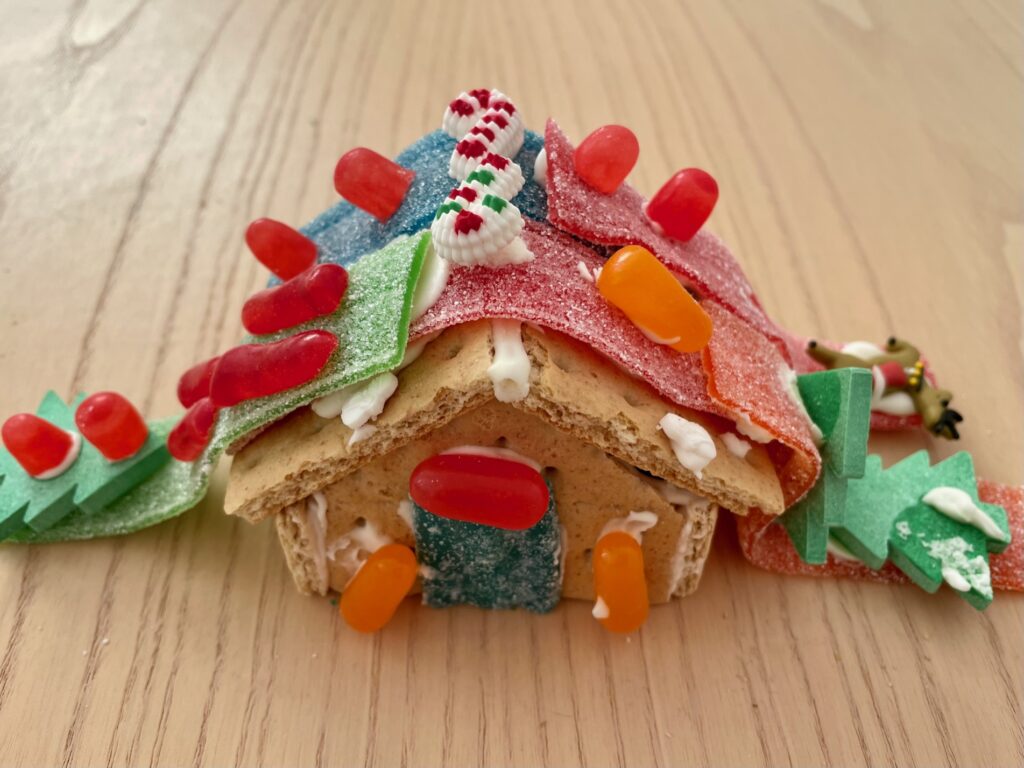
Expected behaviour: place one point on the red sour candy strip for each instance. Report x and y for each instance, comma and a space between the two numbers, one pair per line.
112, 424
38, 446
372, 182
1007, 566
480, 489
314, 293
619, 218
281, 249
550, 291
257, 370
194, 383
190, 436
745, 376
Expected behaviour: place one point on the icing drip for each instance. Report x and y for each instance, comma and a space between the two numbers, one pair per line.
349, 551
635, 523
788, 377
748, 428
957, 505
431, 285
540, 168
691, 443
736, 445
510, 369
600, 610
316, 520
358, 404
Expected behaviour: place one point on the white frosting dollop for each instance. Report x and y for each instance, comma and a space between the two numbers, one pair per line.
691, 443
957, 504
635, 524
358, 404
959, 570
540, 168
350, 551
754, 431
737, 445
600, 610
432, 282
510, 367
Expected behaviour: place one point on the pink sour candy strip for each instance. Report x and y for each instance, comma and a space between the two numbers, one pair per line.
618, 219
550, 291
744, 375
768, 546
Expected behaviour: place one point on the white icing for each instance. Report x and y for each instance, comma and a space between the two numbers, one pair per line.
494, 452
329, 406
658, 339
584, 272
755, 432
506, 183
510, 368
367, 399
414, 350
895, 403
952, 553
540, 168
839, 552
600, 610
316, 521
903, 529
737, 445
635, 523
680, 558
432, 282
789, 384
691, 443
360, 433
405, 510
958, 505
673, 494
349, 551
67, 461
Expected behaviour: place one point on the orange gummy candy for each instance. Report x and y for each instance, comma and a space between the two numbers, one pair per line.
619, 581
372, 597
654, 300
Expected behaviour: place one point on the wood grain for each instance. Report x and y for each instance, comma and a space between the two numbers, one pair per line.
871, 161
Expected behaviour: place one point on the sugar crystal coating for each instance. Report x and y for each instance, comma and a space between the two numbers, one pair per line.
550, 292
618, 219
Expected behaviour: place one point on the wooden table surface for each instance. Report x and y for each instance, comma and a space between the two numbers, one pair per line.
871, 164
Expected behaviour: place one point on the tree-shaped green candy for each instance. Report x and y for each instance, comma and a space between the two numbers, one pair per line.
839, 402
887, 518
90, 484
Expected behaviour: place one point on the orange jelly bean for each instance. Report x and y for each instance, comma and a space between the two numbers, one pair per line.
654, 300
372, 597
619, 581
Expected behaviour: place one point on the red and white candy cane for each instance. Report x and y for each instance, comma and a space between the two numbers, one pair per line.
485, 122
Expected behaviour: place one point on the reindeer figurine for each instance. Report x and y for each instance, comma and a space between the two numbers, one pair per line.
901, 386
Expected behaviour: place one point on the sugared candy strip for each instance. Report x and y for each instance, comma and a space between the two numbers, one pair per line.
604, 159
257, 370
619, 582
194, 383
112, 424
654, 300
474, 228
316, 292
378, 588
190, 436
281, 249
41, 448
370, 181
680, 208
480, 489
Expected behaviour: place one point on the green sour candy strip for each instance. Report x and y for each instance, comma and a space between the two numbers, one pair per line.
489, 567
372, 327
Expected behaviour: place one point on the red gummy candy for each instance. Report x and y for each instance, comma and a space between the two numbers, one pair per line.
257, 370
314, 293
480, 489
551, 292
705, 262
189, 438
38, 446
112, 424
370, 181
281, 249
194, 383
604, 159
684, 203
745, 375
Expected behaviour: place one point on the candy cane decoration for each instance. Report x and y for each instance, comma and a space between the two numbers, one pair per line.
477, 225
